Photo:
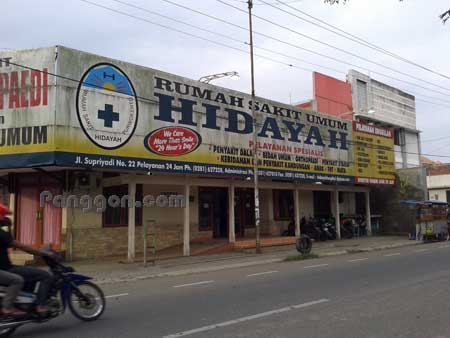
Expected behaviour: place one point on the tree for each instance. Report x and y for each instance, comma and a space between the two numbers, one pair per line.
444, 16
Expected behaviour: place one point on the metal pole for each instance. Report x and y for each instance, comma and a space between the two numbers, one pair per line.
255, 148
144, 232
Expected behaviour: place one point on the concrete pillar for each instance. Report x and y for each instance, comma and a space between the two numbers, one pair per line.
186, 228
337, 213
297, 212
12, 207
64, 227
231, 225
132, 222
368, 218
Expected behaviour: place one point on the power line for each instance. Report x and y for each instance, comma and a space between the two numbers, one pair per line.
348, 35
233, 39
332, 46
301, 48
436, 139
290, 2
226, 36
192, 35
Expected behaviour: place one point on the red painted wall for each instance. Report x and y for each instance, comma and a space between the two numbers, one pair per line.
305, 105
333, 96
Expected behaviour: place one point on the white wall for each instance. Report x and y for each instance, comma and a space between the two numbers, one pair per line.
398, 157
438, 194
438, 181
412, 149
306, 203
390, 104
347, 207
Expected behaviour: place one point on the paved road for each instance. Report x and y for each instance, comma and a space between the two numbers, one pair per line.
396, 293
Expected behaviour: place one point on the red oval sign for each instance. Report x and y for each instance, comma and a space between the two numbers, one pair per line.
172, 141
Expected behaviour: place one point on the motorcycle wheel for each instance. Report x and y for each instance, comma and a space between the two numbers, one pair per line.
87, 302
303, 244
7, 332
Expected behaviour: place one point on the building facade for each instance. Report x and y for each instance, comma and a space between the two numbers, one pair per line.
438, 182
378, 103
76, 128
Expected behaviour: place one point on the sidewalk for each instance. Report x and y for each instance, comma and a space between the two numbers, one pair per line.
112, 271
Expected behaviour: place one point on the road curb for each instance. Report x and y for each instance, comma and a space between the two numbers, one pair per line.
193, 271
189, 271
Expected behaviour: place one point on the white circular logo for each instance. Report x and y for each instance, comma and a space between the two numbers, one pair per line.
107, 106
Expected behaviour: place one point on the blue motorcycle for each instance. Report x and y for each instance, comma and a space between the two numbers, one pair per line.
84, 299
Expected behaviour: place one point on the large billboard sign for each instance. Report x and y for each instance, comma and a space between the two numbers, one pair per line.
374, 154
26, 108
114, 115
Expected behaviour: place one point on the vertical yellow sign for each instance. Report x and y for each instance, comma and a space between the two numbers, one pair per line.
373, 154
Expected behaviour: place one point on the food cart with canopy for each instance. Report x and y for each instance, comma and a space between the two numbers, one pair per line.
431, 219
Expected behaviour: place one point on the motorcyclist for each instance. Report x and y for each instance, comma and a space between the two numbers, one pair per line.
12, 281
29, 274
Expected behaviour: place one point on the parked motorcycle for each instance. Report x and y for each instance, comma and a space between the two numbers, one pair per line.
84, 299
290, 231
347, 228
329, 229
313, 229
362, 225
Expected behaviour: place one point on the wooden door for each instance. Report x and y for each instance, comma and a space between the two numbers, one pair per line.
50, 222
244, 210
28, 221
206, 209
38, 225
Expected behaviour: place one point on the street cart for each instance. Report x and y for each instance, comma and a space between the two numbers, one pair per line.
431, 220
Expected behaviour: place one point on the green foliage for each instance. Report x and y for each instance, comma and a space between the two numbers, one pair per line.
301, 257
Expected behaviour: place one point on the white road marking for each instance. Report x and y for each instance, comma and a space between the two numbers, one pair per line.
358, 260
392, 254
444, 246
422, 250
246, 319
315, 266
193, 284
262, 273
117, 296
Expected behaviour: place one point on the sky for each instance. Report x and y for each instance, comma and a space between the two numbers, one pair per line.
410, 28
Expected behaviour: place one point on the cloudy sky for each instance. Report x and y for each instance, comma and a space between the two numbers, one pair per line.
410, 29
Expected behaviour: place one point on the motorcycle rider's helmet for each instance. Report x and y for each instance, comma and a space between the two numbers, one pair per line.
4, 210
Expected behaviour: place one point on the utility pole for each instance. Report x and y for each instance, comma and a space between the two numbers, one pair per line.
255, 147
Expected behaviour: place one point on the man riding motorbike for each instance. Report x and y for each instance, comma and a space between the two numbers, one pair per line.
10, 272
12, 281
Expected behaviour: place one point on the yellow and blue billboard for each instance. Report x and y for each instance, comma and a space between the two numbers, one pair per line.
109, 114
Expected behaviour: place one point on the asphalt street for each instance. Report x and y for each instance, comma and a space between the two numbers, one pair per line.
394, 293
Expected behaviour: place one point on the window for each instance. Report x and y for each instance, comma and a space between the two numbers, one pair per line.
398, 137
361, 87
283, 202
115, 217
448, 195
